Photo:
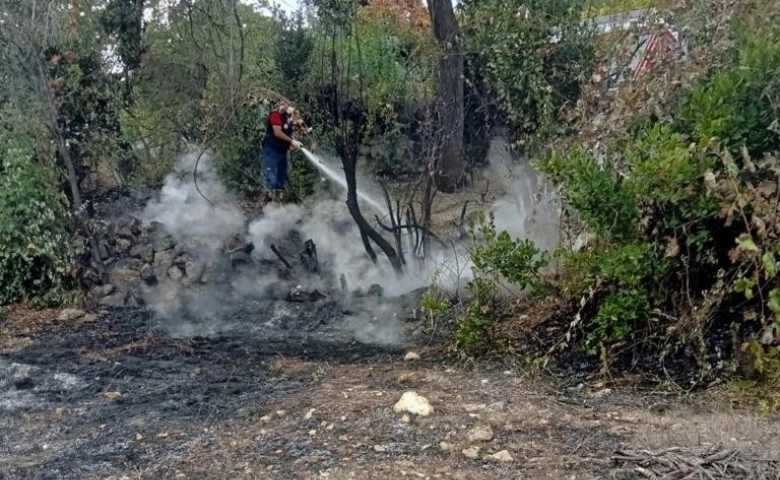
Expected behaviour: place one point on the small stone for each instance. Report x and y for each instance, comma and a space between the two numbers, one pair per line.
405, 419
148, 275
138, 437
375, 290
175, 272
380, 448
343, 438
163, 259
602, 393
265, 418
142, 251
473, 407
193, 270
281, 413
312, 432
502, 456
480, 433
163, 243
70, 314
411, 357
471, 452
116, 299
445, 446
122, 246
413, 403
310, 413
113, 395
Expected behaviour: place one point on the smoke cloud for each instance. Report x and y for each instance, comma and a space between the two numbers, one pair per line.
525, 208
201, 227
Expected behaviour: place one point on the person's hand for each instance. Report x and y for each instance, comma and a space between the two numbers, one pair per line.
297, 144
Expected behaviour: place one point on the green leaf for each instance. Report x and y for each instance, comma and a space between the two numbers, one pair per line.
744, 285
774, 301
746, 243
770, 264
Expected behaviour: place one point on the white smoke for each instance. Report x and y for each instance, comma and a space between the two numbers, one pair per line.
201, 226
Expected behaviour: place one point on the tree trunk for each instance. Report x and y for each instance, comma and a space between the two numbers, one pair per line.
450, 173
366, 231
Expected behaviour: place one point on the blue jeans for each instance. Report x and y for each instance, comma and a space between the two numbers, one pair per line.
275, 168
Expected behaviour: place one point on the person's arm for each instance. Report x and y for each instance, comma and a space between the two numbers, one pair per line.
278, 133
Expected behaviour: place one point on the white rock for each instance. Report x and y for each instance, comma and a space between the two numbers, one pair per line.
471, 452
380, 448
413, 403
411, 356
474, 407
502, 456
70, 314
480, 433
310, 413
445, 446
602, 393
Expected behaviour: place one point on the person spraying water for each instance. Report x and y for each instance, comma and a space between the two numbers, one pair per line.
277, 142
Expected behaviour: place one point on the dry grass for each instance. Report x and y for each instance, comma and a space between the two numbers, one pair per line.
23, 324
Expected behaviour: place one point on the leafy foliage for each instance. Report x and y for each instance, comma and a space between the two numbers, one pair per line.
738, 105
35, 254
497, 257
674, 222
534, 59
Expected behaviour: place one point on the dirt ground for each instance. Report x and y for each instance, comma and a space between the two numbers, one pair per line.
111, 396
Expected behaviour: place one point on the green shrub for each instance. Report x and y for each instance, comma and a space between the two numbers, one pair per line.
596, 192
645, 202
35, 250
496, 257
739, 105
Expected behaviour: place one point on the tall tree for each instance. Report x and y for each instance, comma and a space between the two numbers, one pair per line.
449, 160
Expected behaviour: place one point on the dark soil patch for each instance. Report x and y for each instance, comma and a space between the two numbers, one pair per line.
118, 393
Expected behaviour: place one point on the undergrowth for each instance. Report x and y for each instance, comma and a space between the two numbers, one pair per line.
36, 258
681, 272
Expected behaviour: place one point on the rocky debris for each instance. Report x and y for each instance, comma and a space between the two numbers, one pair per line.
301, 294
480, 433
21, 376
374, 290
144, 260
411, 357
471, 452
503, 456
413, 403
113, 396
70, 314
138, 257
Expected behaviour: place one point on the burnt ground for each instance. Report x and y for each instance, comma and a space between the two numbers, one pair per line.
114, 395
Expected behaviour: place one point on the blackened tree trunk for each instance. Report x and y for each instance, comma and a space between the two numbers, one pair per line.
450, 173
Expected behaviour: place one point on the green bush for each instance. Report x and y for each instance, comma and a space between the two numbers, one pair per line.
739, 105
497, 257
35, 251
530, 76
646, 202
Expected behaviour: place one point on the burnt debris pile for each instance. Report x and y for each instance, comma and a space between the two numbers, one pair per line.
141, 259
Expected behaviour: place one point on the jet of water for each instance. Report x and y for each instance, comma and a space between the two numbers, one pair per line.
321, 166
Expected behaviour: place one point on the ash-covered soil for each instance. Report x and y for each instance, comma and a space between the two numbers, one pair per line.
95, 396
280, 393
